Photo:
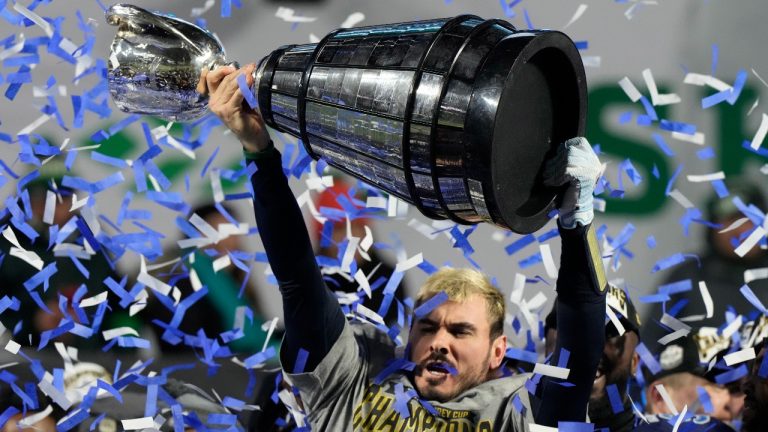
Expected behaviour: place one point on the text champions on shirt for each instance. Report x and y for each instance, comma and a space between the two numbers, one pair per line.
377, 413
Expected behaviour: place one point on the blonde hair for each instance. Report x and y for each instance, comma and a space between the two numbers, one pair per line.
461, 283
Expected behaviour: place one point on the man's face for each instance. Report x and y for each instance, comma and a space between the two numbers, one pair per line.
756, 403
615, 367
452, 349
723, 404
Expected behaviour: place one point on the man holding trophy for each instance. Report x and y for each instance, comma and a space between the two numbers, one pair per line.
456, 350
469, 120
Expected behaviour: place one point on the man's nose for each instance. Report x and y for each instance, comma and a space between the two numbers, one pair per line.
440, 342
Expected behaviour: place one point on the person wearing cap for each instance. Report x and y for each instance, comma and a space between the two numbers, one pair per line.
450, 377
755, 415
718, 266
684, 380
617, 365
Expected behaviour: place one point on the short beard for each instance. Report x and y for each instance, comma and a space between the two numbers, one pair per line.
463, 383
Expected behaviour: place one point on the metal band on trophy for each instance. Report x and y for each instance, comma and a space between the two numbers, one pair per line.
455, 116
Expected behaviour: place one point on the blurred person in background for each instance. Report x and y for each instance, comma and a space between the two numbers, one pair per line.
719, 267
229, 298
617, 365
689, 383
339, 227
83, 268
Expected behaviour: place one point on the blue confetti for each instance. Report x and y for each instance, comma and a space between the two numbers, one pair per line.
615, 398
246, 91
648, 359
705, 400
428, 306
732, 375
301, 361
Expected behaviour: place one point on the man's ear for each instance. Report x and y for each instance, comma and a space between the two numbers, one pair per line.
634, 363
498, 349
656, 404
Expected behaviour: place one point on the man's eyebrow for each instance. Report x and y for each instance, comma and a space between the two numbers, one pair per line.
426, 321
463, 325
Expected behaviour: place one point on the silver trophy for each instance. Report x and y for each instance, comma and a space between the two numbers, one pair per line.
455, 116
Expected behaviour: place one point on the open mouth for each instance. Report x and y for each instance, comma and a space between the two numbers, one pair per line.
439, 369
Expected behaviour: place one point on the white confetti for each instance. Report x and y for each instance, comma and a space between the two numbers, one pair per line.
35, 124
533, 427
349, 254
194, 279
733, 327
94, 300
680, 418
631, 91
119, 331
516, 296
12, 347
750, 241
706, 80
376, 202
697, 138
675, 335
759, 77
707, 299
735, 224
268, 327
739, 356
13, 49
656, 98
757, 141
615, 320
551, 371
591, 61
29, 257
363, 282
667, 399
35, 18
31, 420
353, 19
579, 12
701, 178
50, 206
198, 11
410, 263
289, 15
755, 274
369, 314
549, 262
138, 423
221, 263
681, 199
78, 203
57, 396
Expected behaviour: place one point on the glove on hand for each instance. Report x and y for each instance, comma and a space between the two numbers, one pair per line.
577, 165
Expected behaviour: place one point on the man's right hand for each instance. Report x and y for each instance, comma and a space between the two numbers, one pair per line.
227, 102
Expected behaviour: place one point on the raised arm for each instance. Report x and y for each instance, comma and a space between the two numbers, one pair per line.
581, 287
313, 318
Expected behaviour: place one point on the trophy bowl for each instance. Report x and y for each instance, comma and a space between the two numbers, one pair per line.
455, 116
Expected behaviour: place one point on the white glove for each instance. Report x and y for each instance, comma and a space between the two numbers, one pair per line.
577, 165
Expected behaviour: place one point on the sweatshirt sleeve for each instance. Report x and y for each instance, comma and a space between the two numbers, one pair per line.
581, 288
313, 317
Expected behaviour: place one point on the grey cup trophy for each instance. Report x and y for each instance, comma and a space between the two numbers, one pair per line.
455, 116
